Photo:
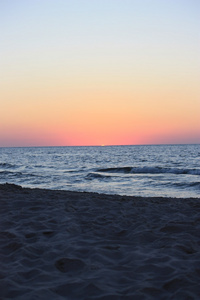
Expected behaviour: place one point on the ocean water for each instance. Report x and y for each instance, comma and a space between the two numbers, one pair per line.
155, 170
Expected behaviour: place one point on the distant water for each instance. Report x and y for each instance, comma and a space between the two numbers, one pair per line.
156, 170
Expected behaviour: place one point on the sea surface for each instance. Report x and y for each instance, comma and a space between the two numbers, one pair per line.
150, 170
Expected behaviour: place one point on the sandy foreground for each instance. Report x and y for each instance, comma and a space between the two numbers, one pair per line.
70, 245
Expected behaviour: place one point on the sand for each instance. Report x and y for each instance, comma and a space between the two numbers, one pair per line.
70, 245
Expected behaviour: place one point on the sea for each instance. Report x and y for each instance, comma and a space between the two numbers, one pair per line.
146, 170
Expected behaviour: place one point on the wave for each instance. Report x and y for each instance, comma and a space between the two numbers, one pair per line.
186, 184
10, 173
91, 176
150, 170
116, 170
5, 172
18, 174
7, 166
70, 171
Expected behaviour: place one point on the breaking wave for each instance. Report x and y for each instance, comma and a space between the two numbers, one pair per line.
150, 170
91, 176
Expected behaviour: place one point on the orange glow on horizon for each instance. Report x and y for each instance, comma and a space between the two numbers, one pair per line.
130, 78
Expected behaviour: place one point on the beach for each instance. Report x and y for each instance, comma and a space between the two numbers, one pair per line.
80, 245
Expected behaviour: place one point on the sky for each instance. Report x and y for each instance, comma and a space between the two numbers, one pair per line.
99, 72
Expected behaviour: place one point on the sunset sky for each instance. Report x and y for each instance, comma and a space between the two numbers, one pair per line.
94, 72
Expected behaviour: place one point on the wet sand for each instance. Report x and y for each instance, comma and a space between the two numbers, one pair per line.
71, 245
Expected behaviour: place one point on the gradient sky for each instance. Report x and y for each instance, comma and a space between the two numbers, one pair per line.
99, 72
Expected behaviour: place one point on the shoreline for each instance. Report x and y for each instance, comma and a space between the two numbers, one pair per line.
82, 245
11, 186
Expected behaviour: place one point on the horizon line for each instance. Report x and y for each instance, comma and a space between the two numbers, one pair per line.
120, 145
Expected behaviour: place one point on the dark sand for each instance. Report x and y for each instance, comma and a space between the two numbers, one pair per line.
70, 245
